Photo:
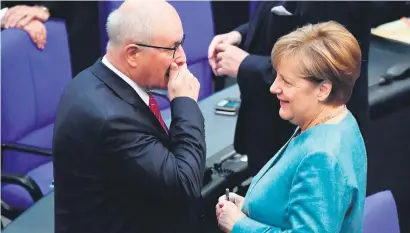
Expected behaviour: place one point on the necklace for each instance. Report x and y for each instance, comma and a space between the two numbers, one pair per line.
324, 119
332, 116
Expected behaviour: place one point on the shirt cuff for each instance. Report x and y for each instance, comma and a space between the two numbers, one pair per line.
2, 14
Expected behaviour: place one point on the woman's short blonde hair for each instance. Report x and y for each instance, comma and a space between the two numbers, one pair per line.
325, 51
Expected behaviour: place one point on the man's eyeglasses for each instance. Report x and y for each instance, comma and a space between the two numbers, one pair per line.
166, 48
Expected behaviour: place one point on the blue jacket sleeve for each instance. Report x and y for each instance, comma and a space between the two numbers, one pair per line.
318, 199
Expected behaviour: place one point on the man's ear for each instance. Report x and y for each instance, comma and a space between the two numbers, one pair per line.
132, 53
325, 89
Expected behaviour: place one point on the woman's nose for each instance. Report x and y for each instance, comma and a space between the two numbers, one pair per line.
274, 88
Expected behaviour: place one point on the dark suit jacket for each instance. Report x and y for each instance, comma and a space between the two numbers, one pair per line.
116, 169
260, 131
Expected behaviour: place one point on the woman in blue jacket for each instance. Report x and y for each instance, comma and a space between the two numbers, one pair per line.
316, 183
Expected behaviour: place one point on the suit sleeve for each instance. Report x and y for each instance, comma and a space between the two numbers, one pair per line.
56, 9
142, 161
255, 74
318, 199
3, 12
243, 30
345, 13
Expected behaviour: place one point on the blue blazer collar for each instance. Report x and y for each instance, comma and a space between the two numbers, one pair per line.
272, 161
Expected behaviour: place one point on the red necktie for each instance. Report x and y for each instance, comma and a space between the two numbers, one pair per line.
153, 105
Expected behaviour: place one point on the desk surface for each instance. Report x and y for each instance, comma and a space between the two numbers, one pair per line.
223, 126
386, 99
381, 59
40, 217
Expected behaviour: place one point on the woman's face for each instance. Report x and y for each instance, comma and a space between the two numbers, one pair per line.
300, 99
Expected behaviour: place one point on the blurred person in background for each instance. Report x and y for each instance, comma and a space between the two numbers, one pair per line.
29, 18
244, 55
82, 23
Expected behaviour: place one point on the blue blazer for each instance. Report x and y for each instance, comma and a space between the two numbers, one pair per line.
316, 183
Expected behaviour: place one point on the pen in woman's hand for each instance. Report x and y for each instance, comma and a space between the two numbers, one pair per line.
227, 194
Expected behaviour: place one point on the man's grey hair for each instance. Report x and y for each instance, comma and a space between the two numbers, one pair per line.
124, 25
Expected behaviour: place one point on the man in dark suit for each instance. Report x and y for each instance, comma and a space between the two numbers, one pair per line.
245, 54
117, 167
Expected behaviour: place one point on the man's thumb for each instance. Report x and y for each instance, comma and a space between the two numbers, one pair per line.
174, 66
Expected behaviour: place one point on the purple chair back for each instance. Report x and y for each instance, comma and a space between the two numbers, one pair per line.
105, 8
380, 214
252, 7
198, 23
31, 85
198, 26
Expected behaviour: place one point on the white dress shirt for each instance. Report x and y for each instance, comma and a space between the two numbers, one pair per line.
3, 13
141, 92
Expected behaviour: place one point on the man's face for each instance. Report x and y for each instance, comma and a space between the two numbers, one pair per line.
157, 56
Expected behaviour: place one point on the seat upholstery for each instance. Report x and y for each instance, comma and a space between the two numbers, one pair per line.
104, 9
32, 83
380, 214
42, 175
252, 7
17, 162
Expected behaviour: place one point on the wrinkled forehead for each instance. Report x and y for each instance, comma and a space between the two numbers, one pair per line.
168, 30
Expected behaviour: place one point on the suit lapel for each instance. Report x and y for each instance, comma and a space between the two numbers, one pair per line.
124, 91
276, 26
261, 11
271, 162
